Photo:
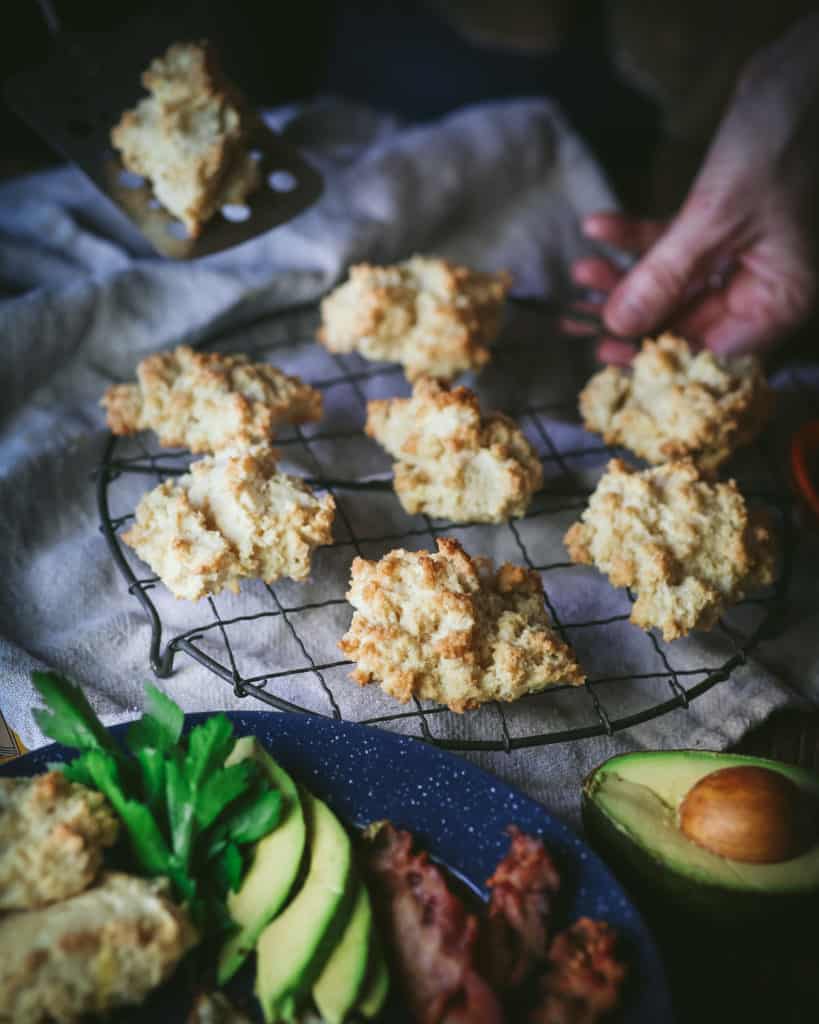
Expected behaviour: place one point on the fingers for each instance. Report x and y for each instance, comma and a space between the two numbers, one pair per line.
597, 274
763, 300
640, 299
701, 318
758, 313
631, 234
617, 353
735, 338
582, 319
651, 292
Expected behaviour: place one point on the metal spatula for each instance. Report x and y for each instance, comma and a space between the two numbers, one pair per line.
79, 93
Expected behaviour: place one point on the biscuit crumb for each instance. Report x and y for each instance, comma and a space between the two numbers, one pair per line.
449, 628
689, 547
204, 401
233, 516
189, 137
673, 403
433, 317
454, 463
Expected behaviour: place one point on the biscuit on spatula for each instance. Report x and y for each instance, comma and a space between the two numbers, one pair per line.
190, 136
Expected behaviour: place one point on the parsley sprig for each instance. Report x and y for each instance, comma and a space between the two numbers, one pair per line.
185, 814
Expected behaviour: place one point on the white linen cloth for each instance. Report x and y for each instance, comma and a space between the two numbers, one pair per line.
496, 186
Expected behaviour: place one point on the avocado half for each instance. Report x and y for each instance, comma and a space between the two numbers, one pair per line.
631, 809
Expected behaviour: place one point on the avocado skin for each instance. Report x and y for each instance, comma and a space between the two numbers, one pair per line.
647, 874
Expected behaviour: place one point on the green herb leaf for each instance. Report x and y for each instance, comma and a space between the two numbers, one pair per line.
213, 916
181, 806
146, 839
253, 821
186, 885
152, 765
160, 726
101, 768
216, 843
243, 822
221, 788
208, 746
75, 771
69, 718
228, 868
221, 920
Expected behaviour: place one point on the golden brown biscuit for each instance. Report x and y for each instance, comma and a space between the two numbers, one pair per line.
454, 463
688, 546
52, 834
449, 628
189, 138
232, 517
204, 401
673, 403
433, 317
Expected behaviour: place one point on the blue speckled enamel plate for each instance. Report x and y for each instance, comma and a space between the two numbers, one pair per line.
458, 812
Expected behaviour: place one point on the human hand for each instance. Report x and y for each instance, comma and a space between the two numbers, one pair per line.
735, 269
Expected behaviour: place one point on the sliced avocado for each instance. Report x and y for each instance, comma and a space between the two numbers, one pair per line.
376, 984
293, 949
273, 869
338, 986
631, 807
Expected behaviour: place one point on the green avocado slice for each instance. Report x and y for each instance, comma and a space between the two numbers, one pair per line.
273, 870
340, 982
630, 811
293, 949
376, 984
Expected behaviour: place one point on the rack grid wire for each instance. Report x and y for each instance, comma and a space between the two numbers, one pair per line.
675, 687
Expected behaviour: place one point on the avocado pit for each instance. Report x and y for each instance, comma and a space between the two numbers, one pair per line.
747, 813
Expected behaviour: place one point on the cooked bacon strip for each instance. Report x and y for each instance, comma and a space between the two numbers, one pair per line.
515, 933
430, 933
583, 975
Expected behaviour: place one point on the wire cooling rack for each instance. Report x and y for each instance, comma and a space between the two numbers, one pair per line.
647, 684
